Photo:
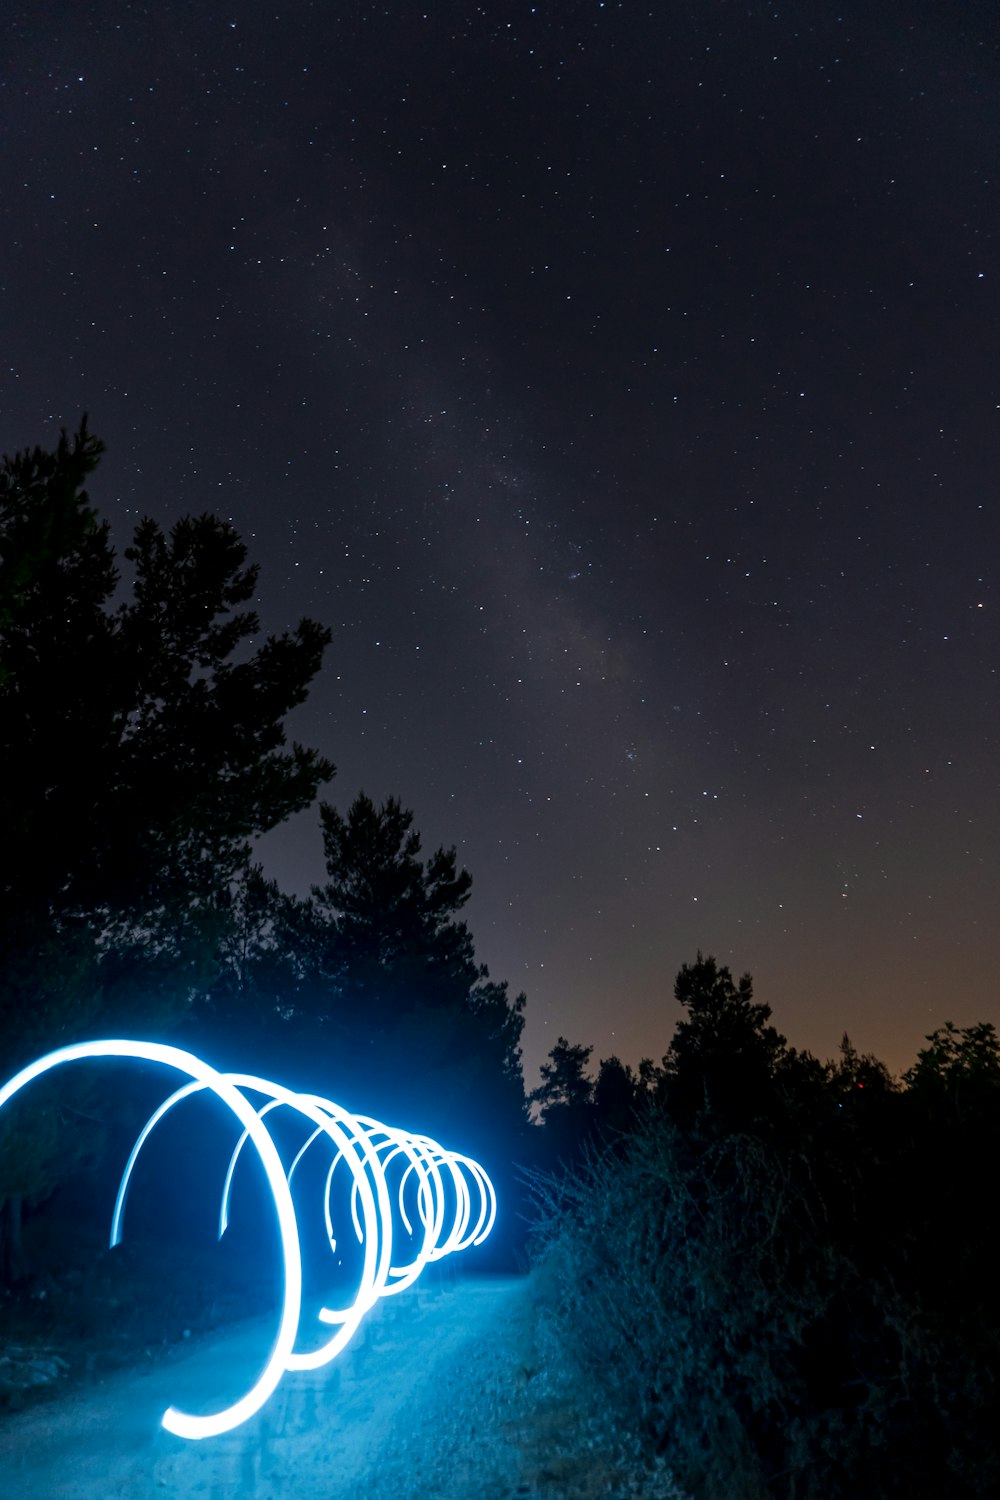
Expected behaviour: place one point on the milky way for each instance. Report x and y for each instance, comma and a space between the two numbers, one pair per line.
619, 383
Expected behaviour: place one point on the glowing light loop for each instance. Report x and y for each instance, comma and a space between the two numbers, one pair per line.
436, 1195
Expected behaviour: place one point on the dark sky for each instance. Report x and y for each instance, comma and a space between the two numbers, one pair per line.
620, 383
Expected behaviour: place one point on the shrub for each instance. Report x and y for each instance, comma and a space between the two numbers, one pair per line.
698, 1283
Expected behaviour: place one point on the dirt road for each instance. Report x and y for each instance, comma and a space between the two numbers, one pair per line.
426, 1405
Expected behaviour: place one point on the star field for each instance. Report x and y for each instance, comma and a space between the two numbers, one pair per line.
619, 383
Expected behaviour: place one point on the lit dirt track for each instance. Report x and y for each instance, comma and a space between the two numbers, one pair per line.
428, 1403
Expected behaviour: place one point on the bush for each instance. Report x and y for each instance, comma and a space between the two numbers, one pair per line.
699, 1284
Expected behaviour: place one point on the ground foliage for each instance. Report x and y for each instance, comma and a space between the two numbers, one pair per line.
791, 1295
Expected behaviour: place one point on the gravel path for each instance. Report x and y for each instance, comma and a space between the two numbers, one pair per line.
449, 1393
423, 1405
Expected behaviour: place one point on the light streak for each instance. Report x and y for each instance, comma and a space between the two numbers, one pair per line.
446, 1186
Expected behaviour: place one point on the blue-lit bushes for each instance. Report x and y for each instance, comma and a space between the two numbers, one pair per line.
715, 1293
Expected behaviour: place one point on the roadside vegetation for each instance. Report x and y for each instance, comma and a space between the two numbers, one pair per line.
778, 1276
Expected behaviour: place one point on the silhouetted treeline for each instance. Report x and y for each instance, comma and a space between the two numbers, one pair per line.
781, 1273
142, 750
374, 976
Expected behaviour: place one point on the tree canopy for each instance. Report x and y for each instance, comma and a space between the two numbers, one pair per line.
142, 748
142, 744
959, 1070
400, 965
724, 1052
391, 917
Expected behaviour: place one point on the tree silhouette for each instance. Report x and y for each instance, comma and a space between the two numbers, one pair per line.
142, 747
724, 1054
565, 1084
259, 961
565, 1101
400, 968
394, 937
959, 1072
620, 1096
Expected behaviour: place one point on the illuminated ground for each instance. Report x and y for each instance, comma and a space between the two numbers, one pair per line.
419, 1408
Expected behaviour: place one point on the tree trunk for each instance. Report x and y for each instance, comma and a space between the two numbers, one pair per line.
12, 1261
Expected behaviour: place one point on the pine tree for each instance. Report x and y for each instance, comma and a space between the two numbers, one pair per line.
401, 968
142, 748
724, 1053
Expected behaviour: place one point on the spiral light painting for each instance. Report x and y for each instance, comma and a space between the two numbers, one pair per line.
410, 1200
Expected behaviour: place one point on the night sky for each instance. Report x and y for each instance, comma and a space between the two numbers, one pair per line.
620, 383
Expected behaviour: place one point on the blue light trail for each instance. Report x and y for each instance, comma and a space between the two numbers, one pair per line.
441, 1202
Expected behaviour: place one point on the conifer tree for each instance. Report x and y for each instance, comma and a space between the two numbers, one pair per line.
724, 1053
401, 967
142, 748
